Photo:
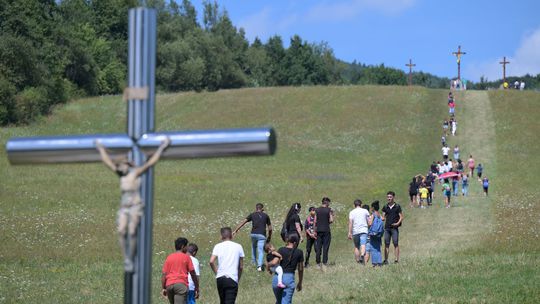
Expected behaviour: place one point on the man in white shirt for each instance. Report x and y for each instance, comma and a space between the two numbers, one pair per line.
445, 150
358, 230
192, 252
230, 256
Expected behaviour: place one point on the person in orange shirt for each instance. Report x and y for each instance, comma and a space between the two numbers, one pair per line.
174, 279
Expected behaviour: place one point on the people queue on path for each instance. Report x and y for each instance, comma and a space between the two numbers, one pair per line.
368, 227
450, 172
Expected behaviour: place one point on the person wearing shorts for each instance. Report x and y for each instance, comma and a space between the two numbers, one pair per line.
447, 193
445, 150
358, 230
393, 216
485, 185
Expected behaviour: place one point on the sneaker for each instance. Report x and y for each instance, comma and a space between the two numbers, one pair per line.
319, 266
361, 260
259, 269
385, 262
306, 264
281, 285
396, 262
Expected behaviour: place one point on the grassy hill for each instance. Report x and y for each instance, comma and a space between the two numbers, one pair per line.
57, 222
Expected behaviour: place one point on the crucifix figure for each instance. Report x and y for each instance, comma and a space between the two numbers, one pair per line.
504, 63
458, 55
410, 65
131, 204
140, 142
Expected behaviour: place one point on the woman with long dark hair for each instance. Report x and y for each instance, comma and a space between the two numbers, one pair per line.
292, 222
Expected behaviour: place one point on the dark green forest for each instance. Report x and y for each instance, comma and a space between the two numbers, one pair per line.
52, 51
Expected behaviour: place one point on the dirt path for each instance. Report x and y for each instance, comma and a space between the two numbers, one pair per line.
438, 231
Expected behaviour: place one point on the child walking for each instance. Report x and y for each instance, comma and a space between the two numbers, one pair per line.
485, 185
447, 192
271, 255
192, 252
311, 236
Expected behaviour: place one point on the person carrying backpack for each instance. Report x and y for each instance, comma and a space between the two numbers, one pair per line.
376, 231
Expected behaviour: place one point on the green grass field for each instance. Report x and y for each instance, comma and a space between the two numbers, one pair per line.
58, 221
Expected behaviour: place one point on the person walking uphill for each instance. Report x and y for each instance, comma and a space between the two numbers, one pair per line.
292, 260
174, 279
259, 222
358, 230
230, 256
292, 223
324, 217
311, 235
393, 216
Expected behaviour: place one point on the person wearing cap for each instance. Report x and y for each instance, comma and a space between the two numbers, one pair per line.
259, 222
311, 234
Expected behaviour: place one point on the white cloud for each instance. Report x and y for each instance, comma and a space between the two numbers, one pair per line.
525, 60
265, 23
345, 10
271, 20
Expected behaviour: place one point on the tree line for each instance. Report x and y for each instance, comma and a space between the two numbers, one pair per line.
55, 50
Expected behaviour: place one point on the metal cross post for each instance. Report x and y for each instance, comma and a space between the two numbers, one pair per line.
504, 63
141, 141
410, 65
458, 55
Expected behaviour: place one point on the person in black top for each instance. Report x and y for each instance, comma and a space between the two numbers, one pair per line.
292, 224
433, 168
393, 217
260, 221
323, 218
292, 260
430, 183
413, 192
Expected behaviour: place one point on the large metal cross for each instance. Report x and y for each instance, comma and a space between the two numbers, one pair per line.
141, 141
410, 65
504, 63
458, 56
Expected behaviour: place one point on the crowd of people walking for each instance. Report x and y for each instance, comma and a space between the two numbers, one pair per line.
369, 227
450, 173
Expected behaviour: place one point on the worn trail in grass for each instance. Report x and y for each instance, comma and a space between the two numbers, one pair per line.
443, 231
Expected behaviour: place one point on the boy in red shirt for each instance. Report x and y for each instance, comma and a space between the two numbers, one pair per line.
174, 279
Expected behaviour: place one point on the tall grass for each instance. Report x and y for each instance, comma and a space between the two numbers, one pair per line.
57, 232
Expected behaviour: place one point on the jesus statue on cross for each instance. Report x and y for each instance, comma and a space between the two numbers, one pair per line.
131, 204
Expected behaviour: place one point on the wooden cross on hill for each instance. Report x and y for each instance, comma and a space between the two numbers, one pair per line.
140, 142
410, 65
504, 63
458, 55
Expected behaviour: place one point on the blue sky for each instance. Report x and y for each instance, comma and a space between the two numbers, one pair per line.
392, 31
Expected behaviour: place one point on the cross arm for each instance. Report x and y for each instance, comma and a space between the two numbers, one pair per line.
187, 144
65, 149
212, 143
